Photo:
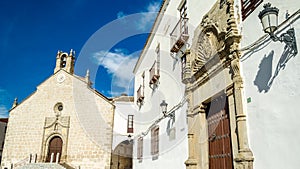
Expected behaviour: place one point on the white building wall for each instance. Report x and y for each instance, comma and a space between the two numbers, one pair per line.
122, 110
172, 152
273, 113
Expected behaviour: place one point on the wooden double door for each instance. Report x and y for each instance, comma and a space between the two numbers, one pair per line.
55, 148
219, 138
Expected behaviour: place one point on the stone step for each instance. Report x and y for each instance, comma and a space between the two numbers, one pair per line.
42, 166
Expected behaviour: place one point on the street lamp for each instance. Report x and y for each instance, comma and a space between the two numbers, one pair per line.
269, 20
164, 106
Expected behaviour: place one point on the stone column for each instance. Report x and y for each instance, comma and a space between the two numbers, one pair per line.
57, 67
191, 162
34, 158
30, 157
244, 157
52, 157
57, 158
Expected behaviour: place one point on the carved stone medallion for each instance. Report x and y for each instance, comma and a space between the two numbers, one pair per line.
207, 47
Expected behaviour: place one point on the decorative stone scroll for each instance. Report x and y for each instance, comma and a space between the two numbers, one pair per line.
208, 45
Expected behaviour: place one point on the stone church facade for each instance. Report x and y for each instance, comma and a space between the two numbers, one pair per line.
63, 121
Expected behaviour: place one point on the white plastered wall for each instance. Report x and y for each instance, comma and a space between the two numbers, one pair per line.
272, 110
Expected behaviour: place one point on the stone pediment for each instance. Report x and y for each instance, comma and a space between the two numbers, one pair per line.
55, 121
212, 37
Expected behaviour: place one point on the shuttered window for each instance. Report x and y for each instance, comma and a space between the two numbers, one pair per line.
130, 124
155, 141
248, 6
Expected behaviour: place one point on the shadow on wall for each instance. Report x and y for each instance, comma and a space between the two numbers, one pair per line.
264, 78
264, 73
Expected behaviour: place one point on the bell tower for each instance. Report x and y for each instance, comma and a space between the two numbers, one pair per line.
65, 61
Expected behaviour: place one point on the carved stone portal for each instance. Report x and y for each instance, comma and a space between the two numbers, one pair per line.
214, 50
55, 127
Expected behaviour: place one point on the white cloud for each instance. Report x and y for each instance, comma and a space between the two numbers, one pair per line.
120, 66
120, 14
3, 111
147, 16
153, 7
3, 98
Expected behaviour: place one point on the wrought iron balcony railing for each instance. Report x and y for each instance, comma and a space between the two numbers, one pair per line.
179, 35
154, 74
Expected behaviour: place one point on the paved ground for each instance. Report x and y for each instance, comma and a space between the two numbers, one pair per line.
41, 166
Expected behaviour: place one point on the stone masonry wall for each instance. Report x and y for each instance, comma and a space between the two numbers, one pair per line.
91, 117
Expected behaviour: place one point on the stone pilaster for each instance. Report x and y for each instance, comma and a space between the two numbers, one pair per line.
191, 162
244, 158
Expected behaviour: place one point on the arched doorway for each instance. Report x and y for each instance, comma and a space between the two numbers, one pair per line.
55, 148
122, 156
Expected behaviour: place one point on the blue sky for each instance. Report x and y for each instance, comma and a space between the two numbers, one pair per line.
32, 31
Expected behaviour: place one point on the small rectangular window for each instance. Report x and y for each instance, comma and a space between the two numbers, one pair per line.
154, 73
140, 91
155, 142
157, 51
130, 124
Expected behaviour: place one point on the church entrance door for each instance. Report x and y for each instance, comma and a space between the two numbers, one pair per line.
219, 140
54, 149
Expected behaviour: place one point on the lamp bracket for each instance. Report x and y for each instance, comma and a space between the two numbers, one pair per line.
171, 115
288, 38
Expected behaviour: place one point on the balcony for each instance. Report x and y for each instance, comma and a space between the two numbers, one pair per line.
154, 74
179, 35
140, 94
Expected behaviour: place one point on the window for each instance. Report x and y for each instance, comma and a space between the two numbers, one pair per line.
157, 51
154, 71
183, 63
185, 69
130, 124
154, 74
155, 142
140, 149
140, 91
248, 6
63, 61
179, 35
58, 107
